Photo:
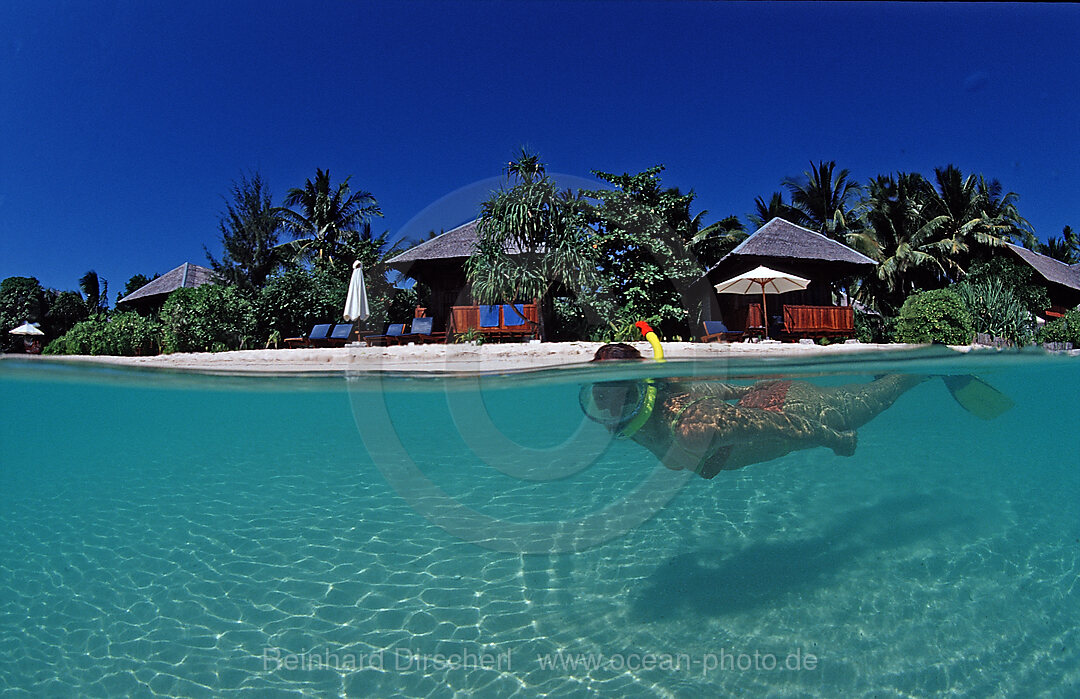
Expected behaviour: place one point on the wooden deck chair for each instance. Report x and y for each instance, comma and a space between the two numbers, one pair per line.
716, 331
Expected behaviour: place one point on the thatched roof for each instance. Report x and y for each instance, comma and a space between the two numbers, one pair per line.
457, 243
783, 239
1048, 268
786, 247
186, 275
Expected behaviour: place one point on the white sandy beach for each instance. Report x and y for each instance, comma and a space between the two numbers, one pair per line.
457, 357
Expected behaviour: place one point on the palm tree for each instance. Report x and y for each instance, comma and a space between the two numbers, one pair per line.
527, 167
896, 232
1001, 207
322, 216
1065, 249
545, 226
970, 215
775, 208
821, 199
95, 291
711, 243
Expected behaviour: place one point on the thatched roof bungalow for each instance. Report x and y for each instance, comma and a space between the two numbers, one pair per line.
154, 293
784, 247
439, 263
1062, 280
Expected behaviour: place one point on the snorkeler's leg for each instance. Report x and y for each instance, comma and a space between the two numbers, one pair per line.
848, 407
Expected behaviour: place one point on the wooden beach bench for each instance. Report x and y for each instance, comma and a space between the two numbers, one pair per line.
797, 322
818, 321
497, 322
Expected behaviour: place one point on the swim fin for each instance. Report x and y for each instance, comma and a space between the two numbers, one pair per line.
977, 397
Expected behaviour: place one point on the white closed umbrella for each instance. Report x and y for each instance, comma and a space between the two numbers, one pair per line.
27, 329
356, 303
768, 281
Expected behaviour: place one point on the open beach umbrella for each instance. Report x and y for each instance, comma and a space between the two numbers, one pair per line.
766, 280
356, 303
26, 329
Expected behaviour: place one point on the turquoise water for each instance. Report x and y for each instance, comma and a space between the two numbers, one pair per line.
170, 535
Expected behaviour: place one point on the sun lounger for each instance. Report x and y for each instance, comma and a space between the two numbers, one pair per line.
421, 332
393, 334
340, 335
716, 331
319, 333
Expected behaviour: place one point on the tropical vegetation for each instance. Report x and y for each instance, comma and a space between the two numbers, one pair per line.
650, 249
547, 229
1064, 329
938, 316
597, 260
250, 228
324, 216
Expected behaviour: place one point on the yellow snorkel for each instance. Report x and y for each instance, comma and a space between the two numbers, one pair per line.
649, 400
650, 335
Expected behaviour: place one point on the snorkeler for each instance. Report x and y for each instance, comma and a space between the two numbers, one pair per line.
708, 427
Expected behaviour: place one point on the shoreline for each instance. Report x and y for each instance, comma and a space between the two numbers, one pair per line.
437, 359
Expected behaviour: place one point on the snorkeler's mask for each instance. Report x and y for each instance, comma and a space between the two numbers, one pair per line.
621, 406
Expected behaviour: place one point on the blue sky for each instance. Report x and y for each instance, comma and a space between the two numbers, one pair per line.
124, 123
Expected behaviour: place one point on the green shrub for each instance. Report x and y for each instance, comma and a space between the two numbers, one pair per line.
1065, 329
937, 316
872, 328
209, 318
125, 334
996, 309
1015, 276
473, 335
66, 309
291, 302
21, 299
569, 321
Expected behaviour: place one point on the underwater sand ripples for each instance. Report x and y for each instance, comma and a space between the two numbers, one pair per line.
908, 570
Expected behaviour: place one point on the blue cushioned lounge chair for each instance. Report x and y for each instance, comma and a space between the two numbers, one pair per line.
340, 334
318, 333
393, 334
716, 331
421, 331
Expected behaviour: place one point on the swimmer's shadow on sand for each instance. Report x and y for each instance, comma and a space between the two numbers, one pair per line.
714, 582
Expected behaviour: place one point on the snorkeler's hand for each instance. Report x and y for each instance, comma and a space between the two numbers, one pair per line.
843, 443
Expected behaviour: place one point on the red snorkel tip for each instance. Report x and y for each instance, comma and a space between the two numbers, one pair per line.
644, 327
